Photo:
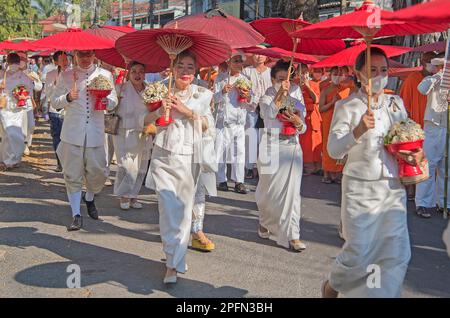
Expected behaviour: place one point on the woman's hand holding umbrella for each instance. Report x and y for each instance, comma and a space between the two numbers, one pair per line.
367, 122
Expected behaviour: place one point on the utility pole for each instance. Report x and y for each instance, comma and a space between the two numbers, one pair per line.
120, 12
133, 13
151, 8
186, 7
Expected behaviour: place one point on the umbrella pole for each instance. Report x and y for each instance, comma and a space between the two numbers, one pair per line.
172, 59
446, 162
369, 73
291, 62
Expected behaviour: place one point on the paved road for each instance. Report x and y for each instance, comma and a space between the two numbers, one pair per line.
121, 255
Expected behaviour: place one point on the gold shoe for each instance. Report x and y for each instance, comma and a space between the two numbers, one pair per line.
297, 245
205, 246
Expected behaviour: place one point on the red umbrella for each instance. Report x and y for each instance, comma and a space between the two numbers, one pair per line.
397, 69
367, 22
432, 47
217, 23
277, 32
142, 46
160, 47
279, 53
73, 39
112, 33
437, 11
22, 46
348, 56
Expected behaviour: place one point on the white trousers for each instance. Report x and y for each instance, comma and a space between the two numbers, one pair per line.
173, 177
13, 138
230, 148
431, 192
28, 125
80, 164
251, 141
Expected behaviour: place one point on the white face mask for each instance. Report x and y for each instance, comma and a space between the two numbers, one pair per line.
336, 79
13, 67
378, 83
431, 68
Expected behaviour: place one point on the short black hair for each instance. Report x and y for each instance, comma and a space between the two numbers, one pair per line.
13, 58
57, 54
361, 59
279, 66
133, 63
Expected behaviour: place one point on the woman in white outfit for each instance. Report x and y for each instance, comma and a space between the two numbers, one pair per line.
376, 253
280, 163
131, 146
174, 168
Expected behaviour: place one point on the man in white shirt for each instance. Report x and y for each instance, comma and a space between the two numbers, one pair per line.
81, 150
230, 124
259, 75
430, 193
55, 116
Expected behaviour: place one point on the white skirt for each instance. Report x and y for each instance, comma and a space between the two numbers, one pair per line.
13, 138
173, 177
278, 191
133, 153
374, 225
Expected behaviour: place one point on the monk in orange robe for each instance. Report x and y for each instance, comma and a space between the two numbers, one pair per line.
311, 140
340, 87
415, 103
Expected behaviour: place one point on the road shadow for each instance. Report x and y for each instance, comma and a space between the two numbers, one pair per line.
98, 265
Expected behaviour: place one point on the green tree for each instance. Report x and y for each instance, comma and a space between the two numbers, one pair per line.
45, 8
17, 19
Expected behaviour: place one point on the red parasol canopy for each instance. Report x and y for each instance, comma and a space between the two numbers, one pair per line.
437, 11
217, 23
112, 33
367, 21
142, 46
277, 30
348, 56
22, 46
432, 47
73, 39
279, 53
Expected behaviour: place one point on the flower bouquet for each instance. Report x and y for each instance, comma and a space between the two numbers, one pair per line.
407, 135
18, 92
288, 128
153, 95
100, 87
242, 84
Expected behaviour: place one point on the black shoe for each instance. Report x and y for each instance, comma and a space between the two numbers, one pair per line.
423, 212
77, 223
223, 186
249, 174
240, 188
91, 209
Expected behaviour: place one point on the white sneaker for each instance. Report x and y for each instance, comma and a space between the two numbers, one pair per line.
136, 205
108, 183
125, 205
26, 152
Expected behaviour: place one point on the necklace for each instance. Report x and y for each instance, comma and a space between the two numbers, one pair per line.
184, 95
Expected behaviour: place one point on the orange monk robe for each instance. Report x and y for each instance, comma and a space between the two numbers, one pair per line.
415, 103
311, 140
329, 164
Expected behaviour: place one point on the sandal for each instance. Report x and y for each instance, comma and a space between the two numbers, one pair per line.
3, 167
422, 212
